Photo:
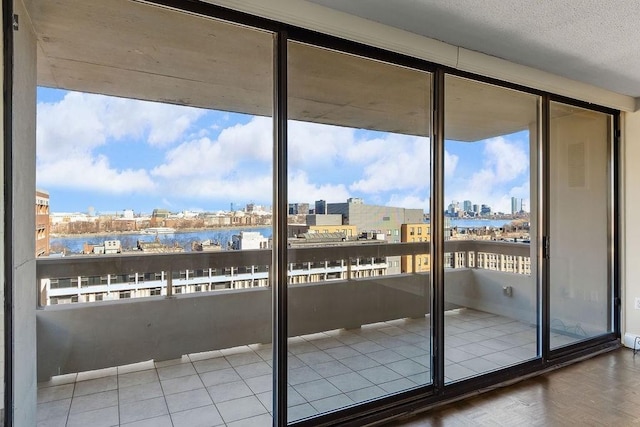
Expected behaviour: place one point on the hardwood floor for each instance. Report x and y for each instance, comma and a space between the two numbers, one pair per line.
604, 390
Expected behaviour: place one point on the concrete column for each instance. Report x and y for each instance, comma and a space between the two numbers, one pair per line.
23, 215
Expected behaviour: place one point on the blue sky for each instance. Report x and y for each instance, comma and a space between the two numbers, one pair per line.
114, 154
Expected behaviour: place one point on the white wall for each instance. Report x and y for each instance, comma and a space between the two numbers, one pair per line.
630, 241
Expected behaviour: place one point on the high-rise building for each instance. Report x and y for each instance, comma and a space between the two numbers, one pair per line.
321, 207
453, 208
514, 205
467, 206
298, 208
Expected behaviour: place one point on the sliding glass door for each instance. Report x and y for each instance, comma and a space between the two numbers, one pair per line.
358, 192
490, 227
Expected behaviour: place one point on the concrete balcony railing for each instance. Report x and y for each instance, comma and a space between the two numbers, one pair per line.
94, 335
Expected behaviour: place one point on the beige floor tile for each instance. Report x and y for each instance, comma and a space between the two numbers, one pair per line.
53, 409
188, 400
105, 417
204, 416
140, 392
161, 421
229, 391
53, 422
213, 364
58, 392
96, 385
175, 371
180, 384
238, 409
137, 378
263, 420
220, 376
260, 384
94, 401
143, 409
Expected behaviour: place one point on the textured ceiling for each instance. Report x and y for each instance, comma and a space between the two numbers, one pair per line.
593, 41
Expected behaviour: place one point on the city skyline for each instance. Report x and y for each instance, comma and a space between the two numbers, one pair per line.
114, 154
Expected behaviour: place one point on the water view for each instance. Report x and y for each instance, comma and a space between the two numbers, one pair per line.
74, 244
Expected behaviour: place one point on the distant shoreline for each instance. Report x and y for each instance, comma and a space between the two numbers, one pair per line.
131, 233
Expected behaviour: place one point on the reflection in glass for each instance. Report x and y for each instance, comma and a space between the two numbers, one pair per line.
358, 167
490, 228
579, 208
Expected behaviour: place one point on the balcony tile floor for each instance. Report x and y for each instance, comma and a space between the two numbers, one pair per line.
327, 371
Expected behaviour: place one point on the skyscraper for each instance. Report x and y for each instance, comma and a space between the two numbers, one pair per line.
321, 207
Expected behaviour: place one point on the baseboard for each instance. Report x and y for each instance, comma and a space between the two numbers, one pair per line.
629, 339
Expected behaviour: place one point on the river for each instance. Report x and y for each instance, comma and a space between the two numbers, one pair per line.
74, 244
475, 223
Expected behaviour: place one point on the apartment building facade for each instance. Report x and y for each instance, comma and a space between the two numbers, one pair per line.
43, 226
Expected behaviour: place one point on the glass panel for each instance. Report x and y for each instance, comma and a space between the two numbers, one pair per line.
358, 167
490, 227
579, 210
160, 188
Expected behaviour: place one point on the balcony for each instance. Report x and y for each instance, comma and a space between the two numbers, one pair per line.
176, 357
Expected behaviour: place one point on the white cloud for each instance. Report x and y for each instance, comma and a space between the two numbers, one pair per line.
503, 162
240, 188
72, 126
325, 162
93, 174
69, 131
80, 122
404, 164
207, 157
506, 160
312, 145
300, 189
392, 162
450, 163
410, 201
161, 123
